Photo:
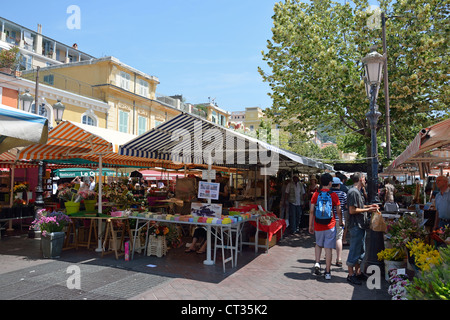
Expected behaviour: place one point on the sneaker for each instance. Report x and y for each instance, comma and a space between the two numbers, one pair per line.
361, 277
327, 276
353, 279
317, 269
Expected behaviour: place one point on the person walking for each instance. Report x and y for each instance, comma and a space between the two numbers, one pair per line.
358, 223
442, 203
342, 195
322, 223
295, 193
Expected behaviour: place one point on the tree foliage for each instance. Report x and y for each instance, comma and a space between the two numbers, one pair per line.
315, 75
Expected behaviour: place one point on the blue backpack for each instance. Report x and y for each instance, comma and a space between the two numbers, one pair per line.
324, 208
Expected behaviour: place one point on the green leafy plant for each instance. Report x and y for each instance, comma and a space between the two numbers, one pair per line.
432, 284
9, 58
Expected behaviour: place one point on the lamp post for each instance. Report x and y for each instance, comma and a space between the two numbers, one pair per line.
373, 65
27, 100
58, 111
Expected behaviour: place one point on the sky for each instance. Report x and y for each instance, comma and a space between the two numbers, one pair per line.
201, 49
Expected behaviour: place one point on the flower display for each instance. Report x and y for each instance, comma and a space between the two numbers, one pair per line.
21, 187
66, 192
87, 194
391, 254
49, 222
404, 230
424, 254
398, 285
18, 202
158, 230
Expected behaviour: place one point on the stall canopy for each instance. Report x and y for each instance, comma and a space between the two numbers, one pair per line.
430, 148
192, 140
19, 128
76, 144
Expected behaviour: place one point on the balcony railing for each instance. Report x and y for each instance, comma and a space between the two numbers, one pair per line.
66, 83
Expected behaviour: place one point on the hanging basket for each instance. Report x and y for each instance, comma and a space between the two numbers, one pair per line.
72, 207
157, 246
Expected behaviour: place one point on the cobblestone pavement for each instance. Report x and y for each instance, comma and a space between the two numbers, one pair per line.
284, 273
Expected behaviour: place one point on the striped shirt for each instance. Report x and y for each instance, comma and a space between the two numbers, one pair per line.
343, 199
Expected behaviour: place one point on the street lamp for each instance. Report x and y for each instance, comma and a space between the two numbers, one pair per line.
373, 65
27, 101
58, 111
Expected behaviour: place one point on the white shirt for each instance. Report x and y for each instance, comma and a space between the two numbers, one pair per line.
299, 191
92, 185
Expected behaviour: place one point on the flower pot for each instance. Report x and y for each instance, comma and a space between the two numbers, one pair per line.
52, 244
389, 265
90, 205
72, 207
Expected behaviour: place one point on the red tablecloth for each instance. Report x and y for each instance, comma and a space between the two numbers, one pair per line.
275, 227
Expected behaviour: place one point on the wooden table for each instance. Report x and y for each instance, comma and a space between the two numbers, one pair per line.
110, 232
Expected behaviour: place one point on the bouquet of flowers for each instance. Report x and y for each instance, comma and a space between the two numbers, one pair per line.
49, 222
398, 285
18, 202
404, 230
424, 254
66, 193
391, 254
87, 194
158, 230
21, 187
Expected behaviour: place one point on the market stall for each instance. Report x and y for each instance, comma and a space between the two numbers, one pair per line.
415, 255
69, 144
190, 140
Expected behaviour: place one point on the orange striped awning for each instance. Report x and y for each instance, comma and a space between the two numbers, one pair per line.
67, 141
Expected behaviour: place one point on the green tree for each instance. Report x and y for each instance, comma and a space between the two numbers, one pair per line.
315, 66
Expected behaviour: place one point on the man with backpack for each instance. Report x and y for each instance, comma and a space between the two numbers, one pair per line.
322, 222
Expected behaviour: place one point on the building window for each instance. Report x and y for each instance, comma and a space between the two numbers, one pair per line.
49, 79
214, 117
157, 123
88, 120
123, 80
142, 125
143, 88
123, 121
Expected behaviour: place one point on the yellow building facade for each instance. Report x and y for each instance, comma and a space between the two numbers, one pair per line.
130, 93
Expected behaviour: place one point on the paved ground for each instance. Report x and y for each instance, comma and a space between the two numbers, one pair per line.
285, 273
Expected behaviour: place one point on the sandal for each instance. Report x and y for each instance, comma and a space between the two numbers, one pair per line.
189, 250
200, 252
338, 263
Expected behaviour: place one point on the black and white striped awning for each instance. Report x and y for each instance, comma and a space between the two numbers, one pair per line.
192, 140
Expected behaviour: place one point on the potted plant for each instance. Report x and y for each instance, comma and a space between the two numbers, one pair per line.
51, 225
20, 188
89, 198
394, 258
9, 60
70, 198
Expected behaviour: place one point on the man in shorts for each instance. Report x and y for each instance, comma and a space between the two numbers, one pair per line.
325, 233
